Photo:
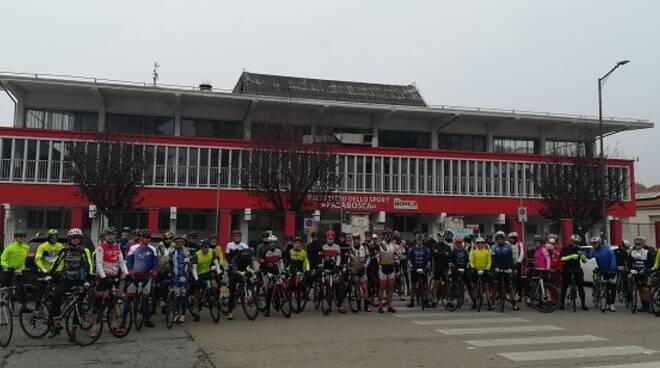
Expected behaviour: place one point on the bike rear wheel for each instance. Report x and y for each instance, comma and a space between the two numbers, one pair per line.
355, 297
283, 301
213, 304
249, 302
35, 325
325, 296
136, 309
6, 324
171, 310
545, 302
118, 325
633, 297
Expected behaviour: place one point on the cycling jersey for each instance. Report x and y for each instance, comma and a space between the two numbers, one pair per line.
47, 254
419, 257
298, 259
502, 256
387, 254
638, 259
240, 262
233, 248
330, 256
142, 259
604, 259
460, 258
358, 258
202, 262
164, 252
75, 261
542, 258
622, 257
271, 260
14, 255
179, 266
441, 253
219, 253
109, 260
480, 259
518, 252
570, 258
656, 264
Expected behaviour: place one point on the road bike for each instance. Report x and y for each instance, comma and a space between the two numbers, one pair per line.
246, 290
540, 294
480, 292
354, 291
455, 296
599, 291
6, 318
421, 285
633, 290
503, 281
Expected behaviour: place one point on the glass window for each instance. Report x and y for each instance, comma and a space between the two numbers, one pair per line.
563, 148
139, 124
61, 120
514, 145
404, 139
211, 128
462, 142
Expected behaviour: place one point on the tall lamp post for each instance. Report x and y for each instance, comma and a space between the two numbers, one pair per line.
603, 177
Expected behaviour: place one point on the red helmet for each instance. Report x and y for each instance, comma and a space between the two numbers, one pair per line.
458, 240
330, 233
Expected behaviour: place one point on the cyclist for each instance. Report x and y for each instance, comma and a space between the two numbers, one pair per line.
387, 257
142, 262
135, 240
460, 259
164, 249
109, 261
47, 252
622, 254
204, 269
519, 259
502, 253
331, 260
75, 262
419, 258
192, 242
235, 245
358, 261
481, 260
342, 241
241, 263
217, 249
13, 263
124, 239
571, 256
270, 260
606, 262
402, 269
637, 261
298, 260
440, 254
178, 266
286, 252
554, 248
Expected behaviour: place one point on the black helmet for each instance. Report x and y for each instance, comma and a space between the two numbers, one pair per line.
110, 231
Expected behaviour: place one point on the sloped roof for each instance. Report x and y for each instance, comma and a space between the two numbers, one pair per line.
295, 87
647, 195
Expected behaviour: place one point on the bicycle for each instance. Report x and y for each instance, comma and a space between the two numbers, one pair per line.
456, 292
539, 295
79, 316
400, 285
208, 299
503, 279
136, 306
354, 291
655, 305
421, 294
280, 299
113, 305
598, 292
246, 289
480, 291
326, 291
6, 318
299, 291
622, 288
34, 320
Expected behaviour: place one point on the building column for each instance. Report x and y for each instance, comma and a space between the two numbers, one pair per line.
224, 227
616, 231
77, 217
9, 224
566, 230
153, 220
289, 223
173, 220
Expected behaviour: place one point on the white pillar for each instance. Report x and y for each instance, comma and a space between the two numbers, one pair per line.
173, 220
244, 230
9, 224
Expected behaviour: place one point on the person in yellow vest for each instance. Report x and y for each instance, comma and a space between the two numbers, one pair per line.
204, 269
481, 261
48, 251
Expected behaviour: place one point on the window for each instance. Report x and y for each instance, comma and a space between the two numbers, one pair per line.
563, 148
139, 124
404, 139
514, 145
211, 128
462, 142
61, 120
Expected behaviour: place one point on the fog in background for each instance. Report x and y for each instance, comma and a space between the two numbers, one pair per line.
522, 55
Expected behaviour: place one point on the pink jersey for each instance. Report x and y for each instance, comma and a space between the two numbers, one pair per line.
109, 260
542, 258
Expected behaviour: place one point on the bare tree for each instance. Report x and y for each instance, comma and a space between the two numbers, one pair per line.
289, 170
109, 171
571, 188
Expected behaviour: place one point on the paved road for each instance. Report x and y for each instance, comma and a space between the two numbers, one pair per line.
409, 338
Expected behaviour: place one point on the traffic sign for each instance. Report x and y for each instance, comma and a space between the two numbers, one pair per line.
522, 214
309, 225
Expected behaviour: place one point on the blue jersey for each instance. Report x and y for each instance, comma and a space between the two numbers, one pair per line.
419, 257
605, 259
142, 259
460, 258
178, 266
502, 256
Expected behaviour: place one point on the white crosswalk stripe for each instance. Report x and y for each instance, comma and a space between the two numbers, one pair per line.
442, 313
535, 340
470, 321
492, 330
575, 353
634, 365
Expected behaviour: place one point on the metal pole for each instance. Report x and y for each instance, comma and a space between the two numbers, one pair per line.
602, 160
217, 207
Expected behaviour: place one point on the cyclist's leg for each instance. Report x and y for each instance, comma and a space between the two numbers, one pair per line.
414, 277
565, 282
579, 282
146, 298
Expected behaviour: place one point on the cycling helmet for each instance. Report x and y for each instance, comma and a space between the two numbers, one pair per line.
125, 229
213, 236
272, 238
236, 232
374, 236
387, 231
135, 232
441, 234
330, 234
298, 238
500, 235
75, 232
192, 235
639, 239
480, 240
396, 234
595, 240
52, 232
513, 234
575, 238
20, 233
168, 235
178, 237
458, 240
110, 231
145, 233
538, 239
204, 243
356, 235
625, 243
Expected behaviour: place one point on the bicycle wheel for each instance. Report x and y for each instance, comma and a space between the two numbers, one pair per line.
633, 297
453, 299
36, 324
262, 293
85, 326
119, 317
249, 302
15, 305
6, 324
502, 296
480, 295
171, 309
326, 298
136, 309
283, 300
531, 298
546, 303
656, 300
574, 296
354, 296
213, 304
301, 297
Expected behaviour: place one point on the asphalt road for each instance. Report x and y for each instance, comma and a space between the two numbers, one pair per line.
408, 338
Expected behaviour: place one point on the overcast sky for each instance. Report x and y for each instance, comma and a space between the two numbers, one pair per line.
523, 55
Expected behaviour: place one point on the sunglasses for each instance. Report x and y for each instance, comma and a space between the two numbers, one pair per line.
146, 237
76, 237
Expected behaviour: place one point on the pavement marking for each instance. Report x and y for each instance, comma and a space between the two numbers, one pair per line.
442, 313
576, 353
491, 330
634, 365
469, 321
535, 340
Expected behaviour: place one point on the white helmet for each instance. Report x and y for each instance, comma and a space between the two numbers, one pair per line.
74, 232
575, 238
500, 234
513, 234
272, 238
595, 240
480, 240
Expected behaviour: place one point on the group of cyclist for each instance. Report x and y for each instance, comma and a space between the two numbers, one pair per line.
378, 265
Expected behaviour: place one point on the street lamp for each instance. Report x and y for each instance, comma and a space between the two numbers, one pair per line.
601, 83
